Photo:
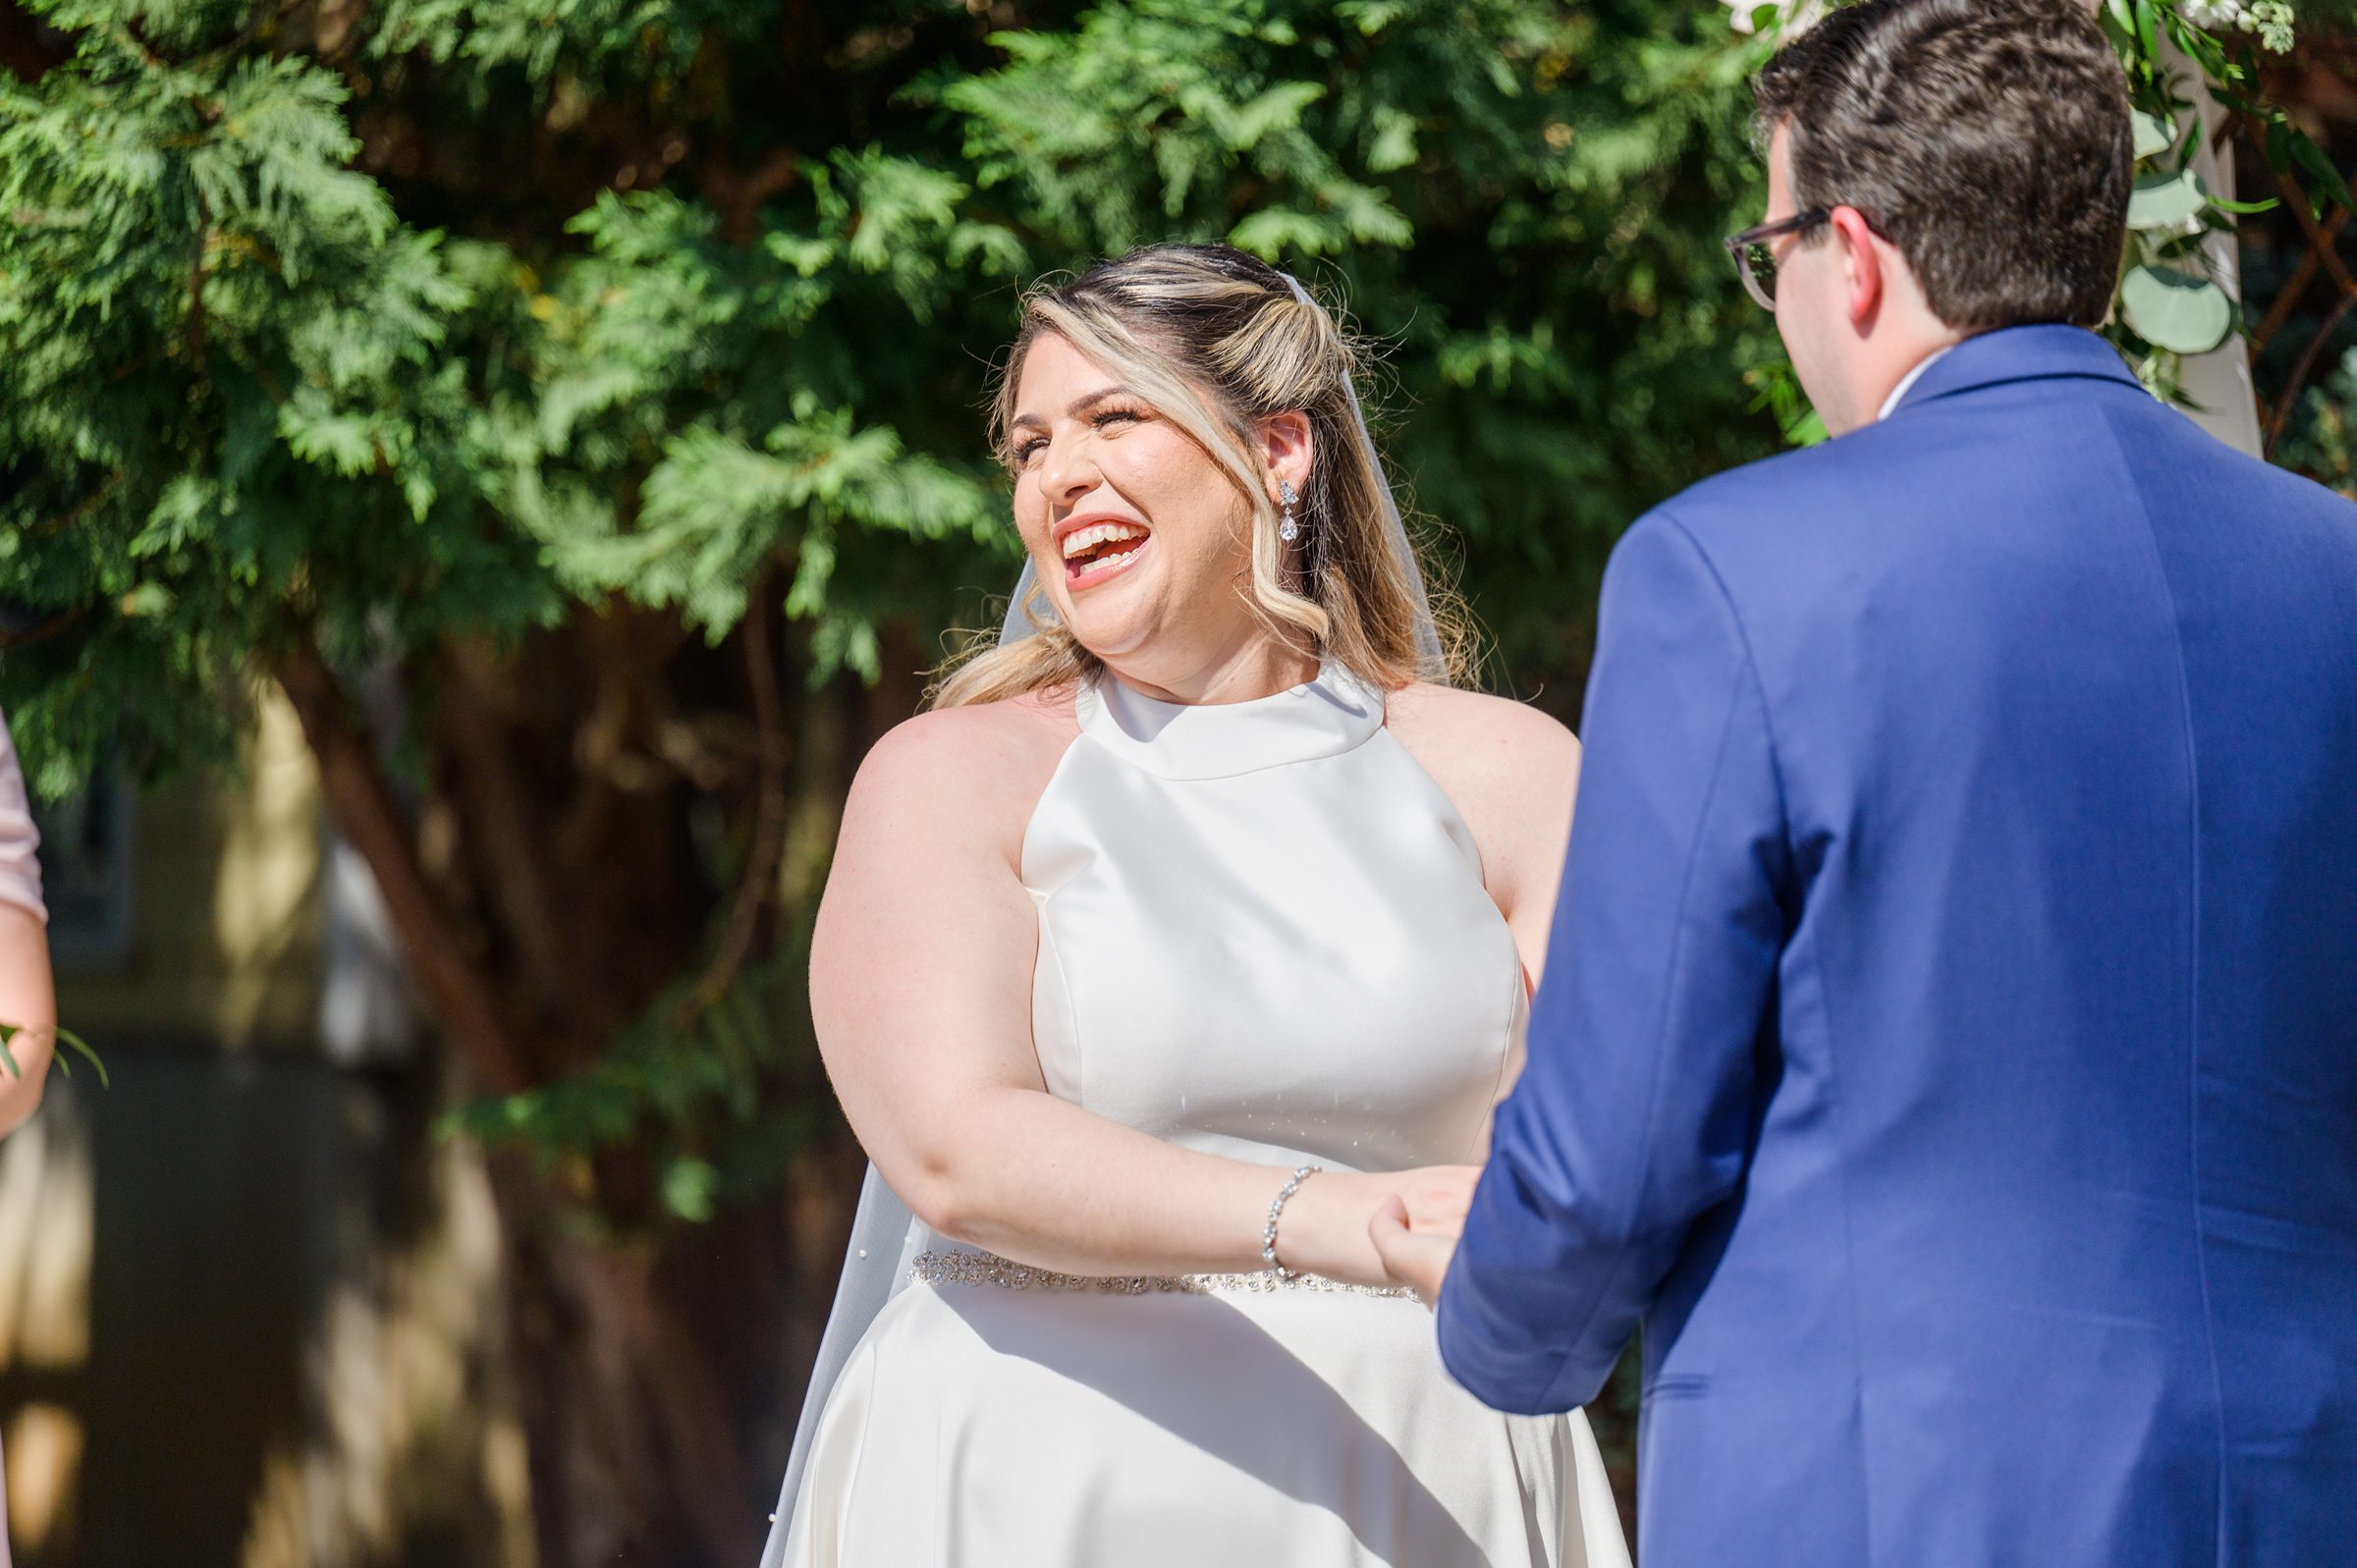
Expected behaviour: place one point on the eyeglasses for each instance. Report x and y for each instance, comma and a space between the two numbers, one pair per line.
1754, 250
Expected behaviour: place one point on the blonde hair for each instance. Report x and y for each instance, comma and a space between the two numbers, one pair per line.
1216, 341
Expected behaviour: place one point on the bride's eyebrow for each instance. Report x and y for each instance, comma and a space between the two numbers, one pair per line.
1071, 410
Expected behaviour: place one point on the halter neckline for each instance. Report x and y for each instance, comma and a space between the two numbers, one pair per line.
1324, 717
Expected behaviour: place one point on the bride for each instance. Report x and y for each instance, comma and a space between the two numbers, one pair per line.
1182, 933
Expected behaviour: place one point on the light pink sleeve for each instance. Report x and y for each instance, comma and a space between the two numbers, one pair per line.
20, 872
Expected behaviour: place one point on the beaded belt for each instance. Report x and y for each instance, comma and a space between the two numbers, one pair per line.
988, 1268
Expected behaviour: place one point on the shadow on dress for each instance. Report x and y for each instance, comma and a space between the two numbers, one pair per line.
1229, 1388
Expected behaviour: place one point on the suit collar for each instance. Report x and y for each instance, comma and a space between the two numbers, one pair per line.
2018, 354
1906, 383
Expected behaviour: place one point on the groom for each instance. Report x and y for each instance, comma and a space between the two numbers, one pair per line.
1947, 1050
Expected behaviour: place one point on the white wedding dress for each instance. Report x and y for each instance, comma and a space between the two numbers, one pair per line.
1262, 934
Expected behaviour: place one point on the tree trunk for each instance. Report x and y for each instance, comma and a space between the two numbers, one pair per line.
562, 907
634, 1450
353, 781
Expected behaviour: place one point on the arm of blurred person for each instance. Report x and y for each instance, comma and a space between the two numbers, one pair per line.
28, 991
28, 1000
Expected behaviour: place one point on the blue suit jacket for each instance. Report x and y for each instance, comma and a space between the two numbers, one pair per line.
1948, 1040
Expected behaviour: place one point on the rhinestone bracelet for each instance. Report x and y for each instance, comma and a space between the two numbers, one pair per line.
1268, 1233
964, 1268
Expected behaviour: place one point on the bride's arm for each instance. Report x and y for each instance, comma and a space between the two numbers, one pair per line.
921, 985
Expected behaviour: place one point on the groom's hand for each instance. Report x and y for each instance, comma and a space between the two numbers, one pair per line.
1415, 1254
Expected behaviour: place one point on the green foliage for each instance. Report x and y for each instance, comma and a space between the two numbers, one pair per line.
2318, 440
247, 397
66, 1037
453, 321
2170, 305
458, 320
225, 399
692, 1085
429, 333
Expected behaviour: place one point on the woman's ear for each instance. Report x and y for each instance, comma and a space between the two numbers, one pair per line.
1287, 448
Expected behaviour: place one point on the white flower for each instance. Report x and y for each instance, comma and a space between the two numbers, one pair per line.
2270, 20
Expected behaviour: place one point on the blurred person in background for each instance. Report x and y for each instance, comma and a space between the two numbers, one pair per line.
28, 995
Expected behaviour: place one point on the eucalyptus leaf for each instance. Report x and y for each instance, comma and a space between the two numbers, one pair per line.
2153, 136
2165, 200
65, 1037
2276, 146
2176, 310
2312, 158
77, 1043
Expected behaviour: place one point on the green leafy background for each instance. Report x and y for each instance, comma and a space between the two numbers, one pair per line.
435, 334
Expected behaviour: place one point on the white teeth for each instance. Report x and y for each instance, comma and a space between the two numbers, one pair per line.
1082, 540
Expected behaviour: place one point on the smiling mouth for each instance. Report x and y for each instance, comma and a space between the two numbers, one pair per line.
1097, 551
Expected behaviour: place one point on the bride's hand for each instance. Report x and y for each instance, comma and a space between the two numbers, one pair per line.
1416, 1258
1324, 1230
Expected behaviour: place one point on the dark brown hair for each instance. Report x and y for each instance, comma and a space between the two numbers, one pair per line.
1988, 139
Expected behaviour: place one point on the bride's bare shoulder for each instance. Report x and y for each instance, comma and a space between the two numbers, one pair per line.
1512, 772
981, 766
1475, 737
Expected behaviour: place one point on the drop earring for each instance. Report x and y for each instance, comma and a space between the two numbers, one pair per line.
1288, 529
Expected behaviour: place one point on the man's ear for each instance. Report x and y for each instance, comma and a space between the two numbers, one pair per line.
1862, 268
